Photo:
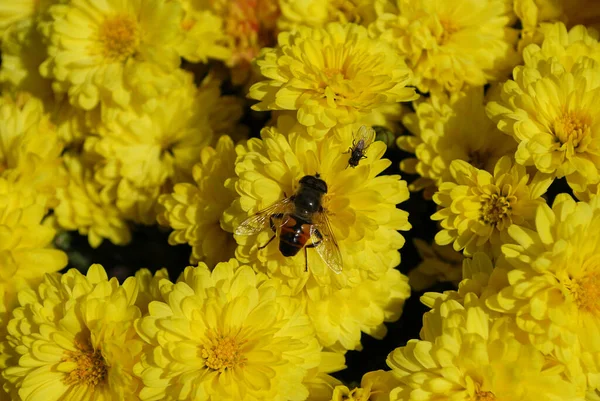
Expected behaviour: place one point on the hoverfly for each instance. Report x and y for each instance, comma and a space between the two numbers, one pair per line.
296, 220
361, 141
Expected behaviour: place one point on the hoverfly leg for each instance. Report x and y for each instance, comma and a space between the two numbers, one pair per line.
314, 244
268, 242
305, 259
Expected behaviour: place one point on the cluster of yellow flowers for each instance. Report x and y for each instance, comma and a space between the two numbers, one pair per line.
118, 113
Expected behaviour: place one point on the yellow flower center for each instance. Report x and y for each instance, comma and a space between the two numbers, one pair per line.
587, 293
495, 208
484, 396
571, 127
120, 37
223, 352
90, 368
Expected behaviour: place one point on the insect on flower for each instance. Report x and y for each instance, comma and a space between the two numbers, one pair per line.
296, 220
361, 141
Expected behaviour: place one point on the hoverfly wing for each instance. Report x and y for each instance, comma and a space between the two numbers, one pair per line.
325, 243
260, 221
365, 134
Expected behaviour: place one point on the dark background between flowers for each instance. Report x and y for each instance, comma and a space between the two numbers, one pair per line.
149, 248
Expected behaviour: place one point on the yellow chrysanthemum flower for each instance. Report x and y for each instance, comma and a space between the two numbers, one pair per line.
374, 386
465, 356
477, 207
551, 288
238, 337
451, 127
194, 210
113, 52
73, 339
360, 205
317, 13
438, 263
29, 146
534, 13
331, 76
85, 207
148, 152
155, 145
550, 109
450, 44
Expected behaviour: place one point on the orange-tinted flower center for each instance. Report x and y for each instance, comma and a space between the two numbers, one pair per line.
571, 127
223, 352
90, 367
120, 37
